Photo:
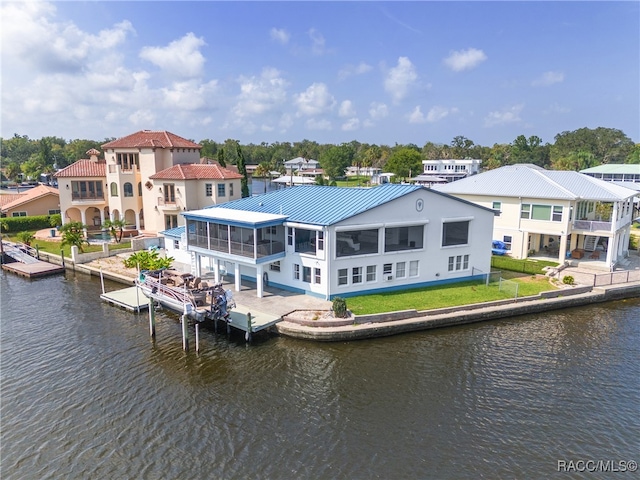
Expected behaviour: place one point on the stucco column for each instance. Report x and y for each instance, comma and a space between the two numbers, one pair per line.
216, 270
138, 221
259, 285
63, 217
83, 219
236, 269
574, 242
101, 217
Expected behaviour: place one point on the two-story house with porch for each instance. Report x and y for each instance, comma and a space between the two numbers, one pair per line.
561, 214
332, 241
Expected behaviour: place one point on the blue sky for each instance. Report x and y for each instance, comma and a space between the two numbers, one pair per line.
332, 72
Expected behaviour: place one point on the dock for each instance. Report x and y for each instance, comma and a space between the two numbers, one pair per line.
25, 264
239, 318
131, 299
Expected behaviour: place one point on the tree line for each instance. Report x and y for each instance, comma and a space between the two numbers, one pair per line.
24, 158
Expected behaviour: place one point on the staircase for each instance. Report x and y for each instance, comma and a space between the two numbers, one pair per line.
590, 242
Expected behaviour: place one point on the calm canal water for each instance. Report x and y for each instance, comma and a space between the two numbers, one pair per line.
87, 394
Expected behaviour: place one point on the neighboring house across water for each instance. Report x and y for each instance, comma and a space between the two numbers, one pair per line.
614, 172
450, 169
332, 241
39, 200
119, 186
559, 213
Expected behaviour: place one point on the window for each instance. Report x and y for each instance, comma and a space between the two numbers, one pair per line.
320, 241
507, 241
289, 235
371, 273
19, 214
403, 238
401, 271
413, 268
556, 215
458, 262
169, 193
317, 275
343, 276
356, 276
306, 274
542, 212
114, 189
525, 211
356, 242
53, 212
208, 189
139, 189
170, 221
455, 233
127, 160
497, 206
86, 190
305, 241
231, 189
275, 266
127, 189
176, 244
387, 269
221, 189
296, 271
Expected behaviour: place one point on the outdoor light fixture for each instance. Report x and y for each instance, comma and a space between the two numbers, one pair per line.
67, 186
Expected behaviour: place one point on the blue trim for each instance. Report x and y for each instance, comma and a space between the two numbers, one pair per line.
406, 287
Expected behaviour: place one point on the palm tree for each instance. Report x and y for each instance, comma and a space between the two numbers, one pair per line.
116, 228
73, 235
263, 170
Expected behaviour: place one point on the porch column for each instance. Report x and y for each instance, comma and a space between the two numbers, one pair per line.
101, 217
563, 248
138, 221
259, 285
83, 219
63, 217
574, 242
236, 269
198, 265
612, 246
216, 270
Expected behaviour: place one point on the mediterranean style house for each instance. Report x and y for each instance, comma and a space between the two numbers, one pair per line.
562, 214
332, 241
146, 179
39, 200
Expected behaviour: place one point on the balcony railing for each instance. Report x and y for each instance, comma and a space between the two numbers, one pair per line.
87, 196
592, 226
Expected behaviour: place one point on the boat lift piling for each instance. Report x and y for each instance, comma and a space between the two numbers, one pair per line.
152, 319
197, 337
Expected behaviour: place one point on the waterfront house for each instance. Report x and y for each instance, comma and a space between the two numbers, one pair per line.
449, 169
332, 241
120, 185
39, 200
561, 214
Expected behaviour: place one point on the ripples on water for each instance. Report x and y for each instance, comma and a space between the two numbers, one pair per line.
87, 394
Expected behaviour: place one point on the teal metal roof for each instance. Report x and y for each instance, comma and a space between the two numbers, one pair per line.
173, 232
317, 205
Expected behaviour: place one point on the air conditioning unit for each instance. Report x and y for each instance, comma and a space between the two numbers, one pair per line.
388, 278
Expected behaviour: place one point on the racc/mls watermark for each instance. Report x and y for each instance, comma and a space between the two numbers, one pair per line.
613, 466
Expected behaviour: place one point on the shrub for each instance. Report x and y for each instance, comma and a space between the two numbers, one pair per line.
36, 222
568, 280
26, 237
339, 307
146, 260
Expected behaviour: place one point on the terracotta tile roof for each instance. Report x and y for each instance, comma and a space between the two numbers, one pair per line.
194, 171
84, 168
9, 197
151, 139
30, 195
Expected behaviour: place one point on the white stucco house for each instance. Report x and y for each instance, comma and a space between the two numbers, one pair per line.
332, 241
565, 214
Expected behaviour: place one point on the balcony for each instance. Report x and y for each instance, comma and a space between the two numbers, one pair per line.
87, 197
169, 204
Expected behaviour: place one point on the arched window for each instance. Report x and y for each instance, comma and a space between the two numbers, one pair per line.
114, 189
139, 189
128, 190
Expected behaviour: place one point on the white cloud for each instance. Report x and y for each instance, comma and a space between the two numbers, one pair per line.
280, 35
142, 118
318, 124
351, 125
351, 70
346, 109
465, 59
181, 58
400, 78
556, 108
259, 95
504, 116
314, 100
547, 79
416, 116
317, 42
378, 111
189, 95
437, 113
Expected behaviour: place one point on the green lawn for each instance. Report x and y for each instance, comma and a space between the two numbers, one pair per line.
463, 293
54, 247
354, 181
